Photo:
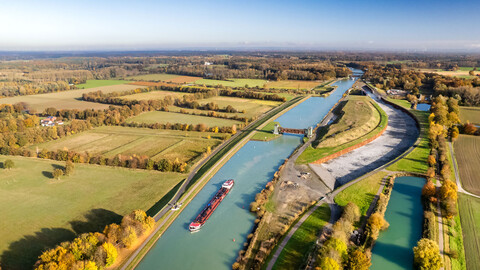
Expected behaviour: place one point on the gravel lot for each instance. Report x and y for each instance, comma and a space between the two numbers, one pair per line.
400, 134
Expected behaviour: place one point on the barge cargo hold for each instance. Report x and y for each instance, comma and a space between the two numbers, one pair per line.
200, 220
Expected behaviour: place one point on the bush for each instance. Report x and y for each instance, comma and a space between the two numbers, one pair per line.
8, 164
57, 173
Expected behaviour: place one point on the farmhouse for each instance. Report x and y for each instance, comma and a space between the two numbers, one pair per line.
50, 121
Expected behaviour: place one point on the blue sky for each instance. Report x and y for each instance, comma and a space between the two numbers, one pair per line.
146, 24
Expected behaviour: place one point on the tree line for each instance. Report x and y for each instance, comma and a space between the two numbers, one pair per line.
393, 76
97, 250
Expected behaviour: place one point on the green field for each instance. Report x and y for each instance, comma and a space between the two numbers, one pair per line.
173, 117
100, 83
415, 161
42, 212
66, 99
233, 82
470, 219
266, 133
361, 193
472, 114
312, 154
110, 141
303, 240
153, 77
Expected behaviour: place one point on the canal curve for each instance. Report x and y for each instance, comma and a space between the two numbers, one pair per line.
394, 248
217, 244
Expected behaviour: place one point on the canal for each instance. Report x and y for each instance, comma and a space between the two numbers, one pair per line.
394, 247
217, 244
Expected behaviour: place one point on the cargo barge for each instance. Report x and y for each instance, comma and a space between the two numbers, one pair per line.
200, 220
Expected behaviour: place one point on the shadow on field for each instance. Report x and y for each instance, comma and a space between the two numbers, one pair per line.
48, 174
23, 253
96, 220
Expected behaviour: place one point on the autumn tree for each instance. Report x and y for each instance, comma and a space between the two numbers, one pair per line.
375, 224
111, 253
8, 164
429, 190
69, 167
357, 260
57, 173
328, 263
469, 128
431, 160
427, 255
448, 190
351, 212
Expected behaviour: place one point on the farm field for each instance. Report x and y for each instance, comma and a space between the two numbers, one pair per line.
462, 72
252, 107
467, 153
293, 84
100, 83
470, 219
39, 212
165, 78
66, 99
155, 95
233, 82
156, 144
173, 117
471, 114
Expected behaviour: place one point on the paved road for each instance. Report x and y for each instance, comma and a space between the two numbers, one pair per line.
457, 175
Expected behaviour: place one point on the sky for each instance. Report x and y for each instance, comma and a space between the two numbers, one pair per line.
421, 25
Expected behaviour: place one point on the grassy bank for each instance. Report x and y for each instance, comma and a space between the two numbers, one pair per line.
312, 154
266, 133
415, 161
303, 240
361, 193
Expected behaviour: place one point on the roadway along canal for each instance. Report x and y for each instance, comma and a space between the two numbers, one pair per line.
217, 244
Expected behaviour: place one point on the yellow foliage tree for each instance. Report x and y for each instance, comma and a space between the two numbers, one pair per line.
448, 190
111, 253
427, 255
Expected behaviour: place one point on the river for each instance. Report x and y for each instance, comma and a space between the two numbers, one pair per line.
217, 244
394, 247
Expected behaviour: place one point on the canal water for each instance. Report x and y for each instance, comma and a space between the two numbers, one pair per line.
394, 247
217, 244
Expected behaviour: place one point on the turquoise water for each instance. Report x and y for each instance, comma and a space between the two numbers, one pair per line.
393, 249
251, 167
